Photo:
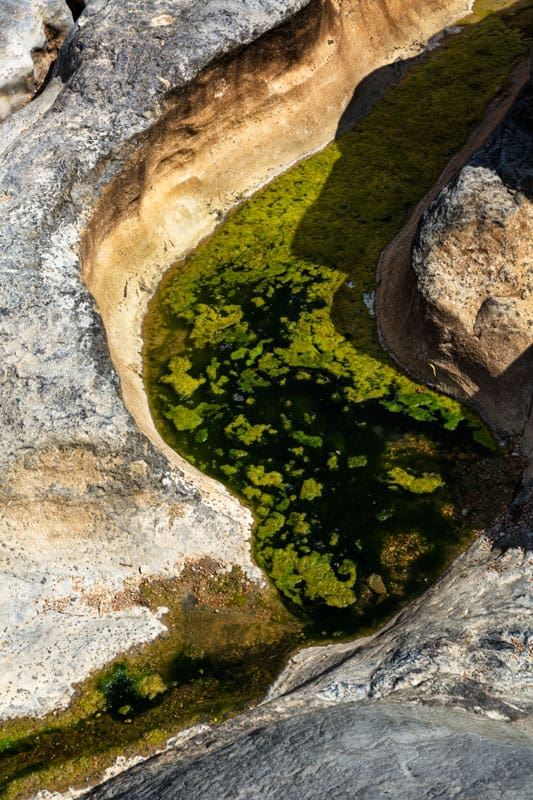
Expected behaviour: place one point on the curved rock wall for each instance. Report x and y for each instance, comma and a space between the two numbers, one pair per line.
226, 133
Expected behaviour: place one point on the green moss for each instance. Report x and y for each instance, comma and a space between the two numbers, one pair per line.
216, 658
426, 483
357, 461
183, 418
260, 477
179, 379
310, 490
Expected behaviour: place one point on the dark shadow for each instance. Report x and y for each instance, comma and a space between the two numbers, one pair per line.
76, 7
509, 150
371, 90
355, 216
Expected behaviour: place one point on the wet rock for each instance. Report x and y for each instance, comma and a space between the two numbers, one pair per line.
31, 34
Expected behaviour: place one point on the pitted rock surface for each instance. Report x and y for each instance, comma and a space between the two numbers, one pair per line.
473, 264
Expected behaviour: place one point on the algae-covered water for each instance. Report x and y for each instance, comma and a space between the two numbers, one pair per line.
263, 367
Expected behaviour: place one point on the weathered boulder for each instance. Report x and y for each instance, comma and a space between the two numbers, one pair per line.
31, 34
457, 310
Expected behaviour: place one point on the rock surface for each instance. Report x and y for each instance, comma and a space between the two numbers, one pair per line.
31, 34
356, 750
466, 644
87, 500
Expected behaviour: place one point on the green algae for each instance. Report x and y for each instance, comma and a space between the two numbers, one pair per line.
226, 641
276, 382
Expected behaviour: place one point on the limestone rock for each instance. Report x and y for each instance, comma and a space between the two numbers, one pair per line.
455, 302
86, 499
31, 34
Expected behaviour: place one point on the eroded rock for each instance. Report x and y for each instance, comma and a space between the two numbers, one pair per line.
473, 261
31, 34
88, 504
356, 750
456, 299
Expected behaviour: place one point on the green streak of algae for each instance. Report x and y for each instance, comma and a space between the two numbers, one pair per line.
293, 329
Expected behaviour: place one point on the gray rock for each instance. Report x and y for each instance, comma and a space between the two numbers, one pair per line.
353, 751
474, 280
86, 499
31, 34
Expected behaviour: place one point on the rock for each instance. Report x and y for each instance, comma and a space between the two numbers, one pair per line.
472, 261
375, 582
458, 312
31, 34
356, 750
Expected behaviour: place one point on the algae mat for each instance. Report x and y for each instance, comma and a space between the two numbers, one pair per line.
263, 367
